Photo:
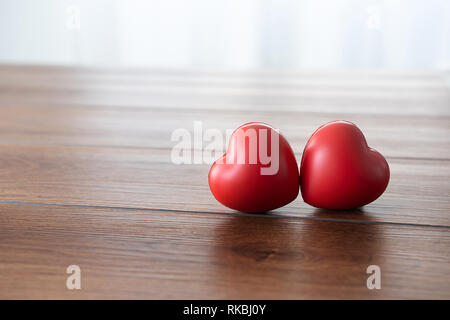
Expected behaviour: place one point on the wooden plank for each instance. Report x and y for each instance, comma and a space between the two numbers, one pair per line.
104, 73
282, 82
297, 100
328, 92
162, 255
146, 178
47, 124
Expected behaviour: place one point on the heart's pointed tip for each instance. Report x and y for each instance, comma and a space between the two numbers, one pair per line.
255, 213
356, 209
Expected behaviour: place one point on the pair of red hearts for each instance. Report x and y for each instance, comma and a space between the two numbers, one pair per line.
338, 170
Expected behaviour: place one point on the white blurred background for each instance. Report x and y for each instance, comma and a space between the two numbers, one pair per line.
228, 34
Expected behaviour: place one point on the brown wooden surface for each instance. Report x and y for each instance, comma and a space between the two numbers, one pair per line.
86, 178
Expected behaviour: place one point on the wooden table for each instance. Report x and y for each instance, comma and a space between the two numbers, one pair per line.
86, 179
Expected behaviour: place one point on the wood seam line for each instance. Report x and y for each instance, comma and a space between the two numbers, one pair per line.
203, 109
273, 216
168, 149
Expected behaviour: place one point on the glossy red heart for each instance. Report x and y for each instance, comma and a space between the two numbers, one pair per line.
339, 170
258, 172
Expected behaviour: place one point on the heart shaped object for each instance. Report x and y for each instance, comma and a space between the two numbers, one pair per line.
338, 169
258, 172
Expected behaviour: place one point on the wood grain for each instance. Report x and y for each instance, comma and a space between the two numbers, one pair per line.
151, 127
146, 178
163, 255
324, 92
86, 178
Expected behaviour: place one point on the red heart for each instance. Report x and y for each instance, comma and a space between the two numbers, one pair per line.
245, 182
339, 170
